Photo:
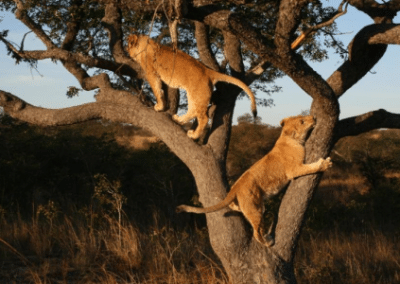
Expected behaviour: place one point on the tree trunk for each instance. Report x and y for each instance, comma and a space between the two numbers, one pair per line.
244, 259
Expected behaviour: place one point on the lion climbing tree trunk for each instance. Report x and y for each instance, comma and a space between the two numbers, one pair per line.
245, 260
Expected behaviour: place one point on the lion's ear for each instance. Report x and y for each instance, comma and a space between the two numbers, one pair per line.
132, 40
283, 121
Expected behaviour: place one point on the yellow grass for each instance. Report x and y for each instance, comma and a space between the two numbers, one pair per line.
85, 248
70, 252
355, 258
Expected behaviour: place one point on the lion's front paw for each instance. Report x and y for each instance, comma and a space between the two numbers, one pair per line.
326, 164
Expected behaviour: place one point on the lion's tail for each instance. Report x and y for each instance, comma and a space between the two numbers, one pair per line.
224, 203
229, 79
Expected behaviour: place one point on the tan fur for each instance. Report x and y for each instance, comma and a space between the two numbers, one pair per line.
178, 70
270, 175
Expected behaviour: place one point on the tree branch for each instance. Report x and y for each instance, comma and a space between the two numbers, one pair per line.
112, 21
380, 13
288, 21
366, 122
225, 101
384, 34
203, 46
72, 26
365, 50
304, 34
118, 106
22, 15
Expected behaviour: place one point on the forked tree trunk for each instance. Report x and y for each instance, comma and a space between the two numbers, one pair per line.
244, 259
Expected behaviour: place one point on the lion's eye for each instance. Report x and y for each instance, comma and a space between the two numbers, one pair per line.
302, 121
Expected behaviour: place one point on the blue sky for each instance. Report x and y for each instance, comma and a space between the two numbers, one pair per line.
378, 89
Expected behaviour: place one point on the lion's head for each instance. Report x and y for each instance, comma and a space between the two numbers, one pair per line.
298, 127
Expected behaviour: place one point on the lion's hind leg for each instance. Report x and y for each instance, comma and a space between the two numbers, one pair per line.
202, 121
252, 207
198, 101
183, 118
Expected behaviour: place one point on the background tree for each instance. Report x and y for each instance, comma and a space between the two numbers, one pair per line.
263, 34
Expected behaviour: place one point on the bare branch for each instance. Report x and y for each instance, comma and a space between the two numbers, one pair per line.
21, 14
60, 54
118, 106
173, 29
203, 46
366, 49
233, 53
72, 27
289, 18
309, 30
366, 122
112, 21
385, 34
380, 13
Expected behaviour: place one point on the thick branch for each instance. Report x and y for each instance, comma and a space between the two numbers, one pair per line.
21, 110
366, 122
384, 34
112, 21
118, 106
288, 21
203, 46
366, 49
225, 101
72, 26
380, 13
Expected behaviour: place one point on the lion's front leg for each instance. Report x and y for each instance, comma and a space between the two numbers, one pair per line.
156, 86
307, 169
325, 164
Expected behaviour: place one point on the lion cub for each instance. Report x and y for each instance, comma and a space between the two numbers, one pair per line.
270, 175
179, 70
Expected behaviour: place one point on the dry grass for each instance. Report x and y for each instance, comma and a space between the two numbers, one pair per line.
335, 257
101, 247
71, 252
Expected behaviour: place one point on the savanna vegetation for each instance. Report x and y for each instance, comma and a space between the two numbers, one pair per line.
89, 211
